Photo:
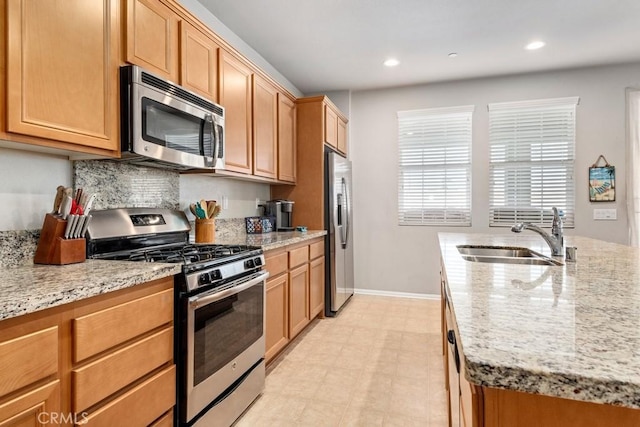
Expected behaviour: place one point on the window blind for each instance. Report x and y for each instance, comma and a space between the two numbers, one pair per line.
434, 173
532, 146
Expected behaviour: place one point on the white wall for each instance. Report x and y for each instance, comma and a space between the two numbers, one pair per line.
406, 259
241, 195
28, 183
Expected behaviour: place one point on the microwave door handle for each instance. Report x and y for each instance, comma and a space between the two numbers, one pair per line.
208, 119
215, 134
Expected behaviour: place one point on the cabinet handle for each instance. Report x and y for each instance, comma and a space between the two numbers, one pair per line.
451, 337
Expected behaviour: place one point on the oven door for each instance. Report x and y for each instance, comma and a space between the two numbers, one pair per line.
225, 338
168, 129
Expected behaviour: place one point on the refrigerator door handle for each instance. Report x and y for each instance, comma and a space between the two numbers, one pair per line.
347, 204
340, 218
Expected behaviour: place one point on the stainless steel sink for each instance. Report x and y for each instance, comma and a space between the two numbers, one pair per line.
504, 255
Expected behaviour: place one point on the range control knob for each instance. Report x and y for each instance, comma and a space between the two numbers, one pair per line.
204, 279
258, 262
215, 275
249, 264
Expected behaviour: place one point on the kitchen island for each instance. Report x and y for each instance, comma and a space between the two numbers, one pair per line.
534, 336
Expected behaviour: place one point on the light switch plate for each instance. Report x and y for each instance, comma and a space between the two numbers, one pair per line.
225, 202
605, 214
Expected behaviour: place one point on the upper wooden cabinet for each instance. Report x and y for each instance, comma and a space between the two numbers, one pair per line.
62, 72
235, 96
198, 62
286, 139
265, 128
152, 37
342, 136
330, 126
314, 117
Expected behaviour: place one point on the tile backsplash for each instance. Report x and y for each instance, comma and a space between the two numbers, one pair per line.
119, 184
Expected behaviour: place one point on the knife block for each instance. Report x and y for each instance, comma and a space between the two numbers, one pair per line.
54, 249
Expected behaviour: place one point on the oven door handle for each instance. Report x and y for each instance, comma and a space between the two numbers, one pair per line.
213, 296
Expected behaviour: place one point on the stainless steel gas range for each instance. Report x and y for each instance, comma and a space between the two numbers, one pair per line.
219, 310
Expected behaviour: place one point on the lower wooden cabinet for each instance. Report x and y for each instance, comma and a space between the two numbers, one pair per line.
37, 407
298, 299
141, 405
277, 315
91, 362
295, 292
316, 286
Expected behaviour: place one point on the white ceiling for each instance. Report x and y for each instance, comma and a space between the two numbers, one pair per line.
324, 45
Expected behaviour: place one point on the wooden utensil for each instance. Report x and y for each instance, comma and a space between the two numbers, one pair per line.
203, 205
211, 207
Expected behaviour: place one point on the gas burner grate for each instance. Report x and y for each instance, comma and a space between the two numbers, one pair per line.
188, 254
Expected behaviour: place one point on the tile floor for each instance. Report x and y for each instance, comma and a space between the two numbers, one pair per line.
378, 363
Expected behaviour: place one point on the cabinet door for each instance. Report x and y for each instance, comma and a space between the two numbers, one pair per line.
198, 62
330, 127
265, 123
298, 299
152, 37
286, 139
316, 286
62, 71
34, 408
235, 97
342, 136
277, 316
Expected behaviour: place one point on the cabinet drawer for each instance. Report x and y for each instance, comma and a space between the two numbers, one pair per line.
298, 256
105, 376
165, 421
277, 264
316, 249
141, 405
104, 329
27, 359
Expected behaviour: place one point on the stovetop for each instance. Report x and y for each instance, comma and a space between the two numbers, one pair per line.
184, 254
161, 235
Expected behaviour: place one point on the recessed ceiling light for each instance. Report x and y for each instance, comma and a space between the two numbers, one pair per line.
453, 55
391, 62
534, 45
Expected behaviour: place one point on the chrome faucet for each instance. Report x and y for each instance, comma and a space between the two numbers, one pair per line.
555, 240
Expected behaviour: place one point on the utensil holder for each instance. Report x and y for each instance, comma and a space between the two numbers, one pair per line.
54, 249
205, 230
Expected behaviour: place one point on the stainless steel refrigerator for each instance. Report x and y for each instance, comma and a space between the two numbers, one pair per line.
339, 282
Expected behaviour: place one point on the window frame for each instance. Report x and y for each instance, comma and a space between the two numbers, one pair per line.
461, 138
556, 120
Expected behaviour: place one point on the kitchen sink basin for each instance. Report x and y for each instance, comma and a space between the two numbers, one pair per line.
504, 255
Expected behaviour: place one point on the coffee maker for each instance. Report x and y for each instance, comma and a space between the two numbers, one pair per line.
282, 210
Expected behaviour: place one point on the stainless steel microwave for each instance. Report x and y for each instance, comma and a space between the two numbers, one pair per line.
165, 125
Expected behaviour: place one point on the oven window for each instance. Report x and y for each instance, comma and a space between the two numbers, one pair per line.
224, 329
170, 127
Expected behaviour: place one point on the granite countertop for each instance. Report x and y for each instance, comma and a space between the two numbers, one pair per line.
571, 331
271, 240
32, 287
26, 287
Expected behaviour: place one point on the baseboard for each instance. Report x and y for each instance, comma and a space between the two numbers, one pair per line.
396, 294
